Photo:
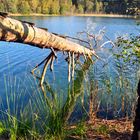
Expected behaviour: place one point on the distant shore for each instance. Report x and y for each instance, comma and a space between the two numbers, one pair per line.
106, 15
86, 15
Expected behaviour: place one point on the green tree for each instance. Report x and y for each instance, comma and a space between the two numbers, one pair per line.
23, 7
34, 5
65, 6
12, 6
45, 5
2, 6
96, 6
69, 6
101, 8
133, 7
89, 6
54, 7
129, 49
80, 8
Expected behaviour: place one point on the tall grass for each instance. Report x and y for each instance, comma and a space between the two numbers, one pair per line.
41, 114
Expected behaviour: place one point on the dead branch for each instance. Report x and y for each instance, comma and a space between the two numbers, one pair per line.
73, 65
48, 60
69, 66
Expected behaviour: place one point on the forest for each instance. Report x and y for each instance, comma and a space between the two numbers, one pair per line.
66, 7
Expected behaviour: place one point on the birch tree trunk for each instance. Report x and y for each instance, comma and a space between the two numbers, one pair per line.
12, 30
23, 32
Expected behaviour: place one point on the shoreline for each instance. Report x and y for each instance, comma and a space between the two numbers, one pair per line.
77, 15
106, 15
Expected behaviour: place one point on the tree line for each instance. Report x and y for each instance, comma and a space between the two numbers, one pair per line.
70, 6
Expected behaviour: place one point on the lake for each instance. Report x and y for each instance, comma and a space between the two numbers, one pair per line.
17, 60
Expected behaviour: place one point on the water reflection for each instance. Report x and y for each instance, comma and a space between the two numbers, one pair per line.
75, 88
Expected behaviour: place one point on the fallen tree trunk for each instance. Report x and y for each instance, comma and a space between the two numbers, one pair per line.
12, 30
24, 32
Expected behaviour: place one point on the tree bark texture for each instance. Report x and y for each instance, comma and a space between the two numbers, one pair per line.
136, 123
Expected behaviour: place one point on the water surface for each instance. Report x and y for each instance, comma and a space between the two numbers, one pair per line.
17, 60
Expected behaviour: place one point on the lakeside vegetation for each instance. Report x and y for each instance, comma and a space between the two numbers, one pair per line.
45, 114
129, 7
99, 91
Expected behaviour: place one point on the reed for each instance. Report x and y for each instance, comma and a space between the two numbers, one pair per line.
106, 89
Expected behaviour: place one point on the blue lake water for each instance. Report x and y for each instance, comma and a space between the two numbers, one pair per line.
17, 60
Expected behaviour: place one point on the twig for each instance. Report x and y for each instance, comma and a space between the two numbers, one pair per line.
78, 39
39, 65
52, 62
69, 67
73, 65
72, 38
45, 67
90, 35
85, 57
107, 43
54, 52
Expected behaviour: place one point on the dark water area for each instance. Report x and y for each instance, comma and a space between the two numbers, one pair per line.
17, 60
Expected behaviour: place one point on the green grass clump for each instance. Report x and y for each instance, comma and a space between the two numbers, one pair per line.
103, 129
79, 130
40, 114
